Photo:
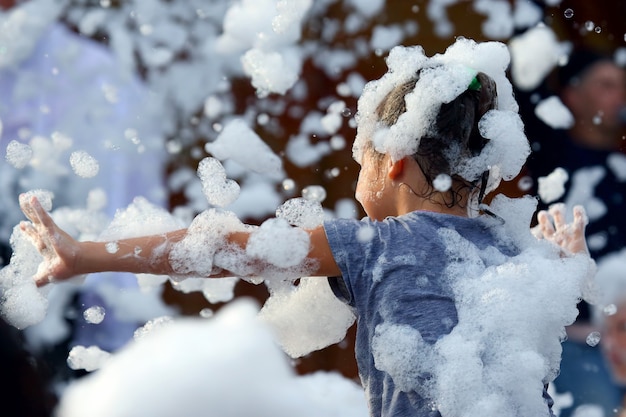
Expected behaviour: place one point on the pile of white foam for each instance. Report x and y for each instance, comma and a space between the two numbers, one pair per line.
228, 365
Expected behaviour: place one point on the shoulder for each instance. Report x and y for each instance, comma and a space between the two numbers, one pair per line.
366, 230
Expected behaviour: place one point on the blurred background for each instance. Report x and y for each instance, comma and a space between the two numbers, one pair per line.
170, 75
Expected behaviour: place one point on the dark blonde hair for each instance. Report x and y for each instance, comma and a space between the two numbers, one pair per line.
456, 136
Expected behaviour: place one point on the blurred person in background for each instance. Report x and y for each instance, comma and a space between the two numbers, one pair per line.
594, 373
63, 93
25, 378
592, 87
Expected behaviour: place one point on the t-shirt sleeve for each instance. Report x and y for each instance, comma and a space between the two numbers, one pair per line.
342, 235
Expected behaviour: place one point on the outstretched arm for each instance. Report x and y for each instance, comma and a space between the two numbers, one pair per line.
65, 257
569, 236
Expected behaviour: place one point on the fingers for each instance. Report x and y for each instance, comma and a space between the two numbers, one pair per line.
41, 281
32, 208
38, 232
545, 224
580, 222
26, 202
557, 211
553, 221
43, 276
35, 212
40, 221
569, 236
31, 233
42, 215
580, 216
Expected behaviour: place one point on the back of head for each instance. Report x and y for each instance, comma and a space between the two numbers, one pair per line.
444, 112
456, 135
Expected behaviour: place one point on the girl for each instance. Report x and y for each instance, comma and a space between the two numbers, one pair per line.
427, 160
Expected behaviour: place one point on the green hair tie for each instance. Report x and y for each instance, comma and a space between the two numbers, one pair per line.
474, 84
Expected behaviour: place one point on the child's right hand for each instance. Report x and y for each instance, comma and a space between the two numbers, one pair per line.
59, 250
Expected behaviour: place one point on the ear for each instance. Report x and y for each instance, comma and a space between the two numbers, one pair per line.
396, 168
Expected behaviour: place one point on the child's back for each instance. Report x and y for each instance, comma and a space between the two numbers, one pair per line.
398, 274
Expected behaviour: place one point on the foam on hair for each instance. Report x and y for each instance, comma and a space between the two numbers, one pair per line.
423, 103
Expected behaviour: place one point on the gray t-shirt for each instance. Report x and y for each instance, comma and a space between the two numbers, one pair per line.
393, 272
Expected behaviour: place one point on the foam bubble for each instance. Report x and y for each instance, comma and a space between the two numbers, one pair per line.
87, 358
554, 113
94, 314
83, 164
18, 154
552, 187
301, 212
218, 190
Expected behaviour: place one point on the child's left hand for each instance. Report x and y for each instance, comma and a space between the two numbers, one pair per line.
569, 236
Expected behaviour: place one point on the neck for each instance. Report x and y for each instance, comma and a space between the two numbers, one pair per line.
436, 202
